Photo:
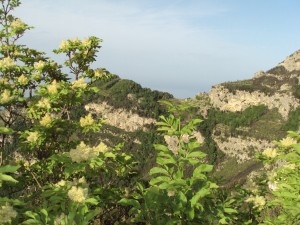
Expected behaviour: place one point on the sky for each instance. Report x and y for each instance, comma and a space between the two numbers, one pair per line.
180, 46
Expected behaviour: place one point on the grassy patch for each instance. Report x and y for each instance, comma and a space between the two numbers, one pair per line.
230, 171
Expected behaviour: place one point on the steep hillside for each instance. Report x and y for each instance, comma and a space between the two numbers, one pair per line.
243, 117
130, 112
240, 117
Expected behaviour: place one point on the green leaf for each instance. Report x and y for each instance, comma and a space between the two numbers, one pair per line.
6, 130
156, 170
45, 214
223, 221
202, 169
92, 201
4, 177
32, 222
161, 147
9, 169
109, 155
200, 194
129, 202
182, 198
197, 154
230, 210
297, 148
191, 213
159, 179
163, 161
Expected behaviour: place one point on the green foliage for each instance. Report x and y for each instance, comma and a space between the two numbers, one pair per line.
55, 170
283, 179
267, 84
293, 121
180, 191
59, 171
278, 70
122, 93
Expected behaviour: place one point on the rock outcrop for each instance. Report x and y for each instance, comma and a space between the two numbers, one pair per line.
120, 118
292, 62
225, 100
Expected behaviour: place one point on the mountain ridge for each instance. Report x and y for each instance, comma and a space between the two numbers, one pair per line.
240, 118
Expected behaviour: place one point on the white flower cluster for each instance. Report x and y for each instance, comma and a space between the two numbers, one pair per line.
270, 152
53, 87
46, 120
80, 83
7, 213
39, 65
87, 121
257, 201
288, 142
83, 152
59, 220
32, 137
78, 194
198, 136
6, 97
7, 62
172, 142
65, 44
23, 80
272, 185
44, 103
17, 24
99, 72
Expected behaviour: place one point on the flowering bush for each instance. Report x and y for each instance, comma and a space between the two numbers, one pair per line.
39, 133
283, 179
53, 172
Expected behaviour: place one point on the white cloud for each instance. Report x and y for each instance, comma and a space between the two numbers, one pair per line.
160, 47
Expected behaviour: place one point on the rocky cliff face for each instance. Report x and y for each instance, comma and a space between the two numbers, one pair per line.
275, 89
292, 62
120, 118
225, 100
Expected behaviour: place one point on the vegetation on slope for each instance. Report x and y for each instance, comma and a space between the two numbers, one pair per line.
54, 170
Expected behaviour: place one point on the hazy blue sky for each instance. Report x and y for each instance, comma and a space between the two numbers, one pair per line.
183, 47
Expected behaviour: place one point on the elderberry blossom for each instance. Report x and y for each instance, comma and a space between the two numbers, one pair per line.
86, 121
46, 120
6, 97
23, 80
53, 87
84, 152
257, 201
172, 142
7, 213
80, 83
7, 62
78, 194
270, 152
